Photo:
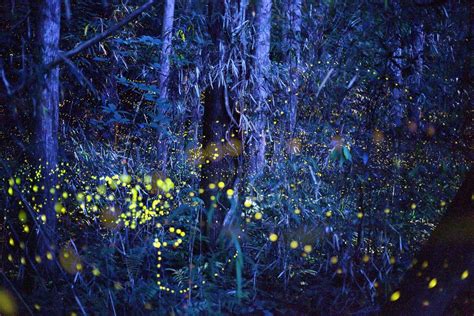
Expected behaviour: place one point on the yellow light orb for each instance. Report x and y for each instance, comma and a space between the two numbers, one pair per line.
395, 296
273, 237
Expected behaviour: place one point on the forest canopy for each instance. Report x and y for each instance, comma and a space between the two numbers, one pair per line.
310, 157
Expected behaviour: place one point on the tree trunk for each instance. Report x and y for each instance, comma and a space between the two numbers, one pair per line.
445, 265
261, 67
167, 36
217, 130
294, 58
47, 111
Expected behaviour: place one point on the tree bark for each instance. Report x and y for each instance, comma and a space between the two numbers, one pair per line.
294, 58
217, 130
167, 35
262, 64
444, 258
47, 111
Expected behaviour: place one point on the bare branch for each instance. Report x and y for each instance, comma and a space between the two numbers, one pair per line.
79, 48
99, 37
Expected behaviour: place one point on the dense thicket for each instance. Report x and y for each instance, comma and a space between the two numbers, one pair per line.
247, 156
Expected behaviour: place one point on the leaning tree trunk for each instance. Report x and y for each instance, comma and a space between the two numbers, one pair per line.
167, 36
445, 265
218, 165
261, 68
293, 36
47, 112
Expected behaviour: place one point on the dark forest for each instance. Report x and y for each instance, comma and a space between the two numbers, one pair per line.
221, 157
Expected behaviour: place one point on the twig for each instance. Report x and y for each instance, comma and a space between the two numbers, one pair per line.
321, 86
79, 303
227, 107
112, 301
79, 48
62, 56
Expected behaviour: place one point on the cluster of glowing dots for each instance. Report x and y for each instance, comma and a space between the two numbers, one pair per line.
143, 197
162, 244
215, 186
215, 151
139, 210
29, 189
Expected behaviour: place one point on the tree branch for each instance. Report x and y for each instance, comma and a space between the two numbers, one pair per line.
79, 48
64, 56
